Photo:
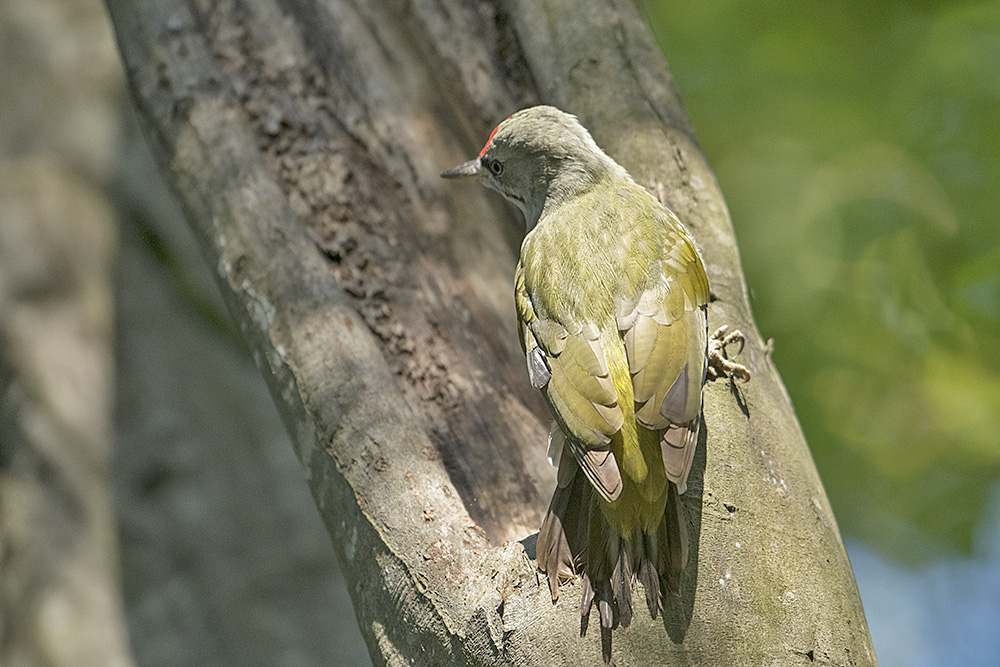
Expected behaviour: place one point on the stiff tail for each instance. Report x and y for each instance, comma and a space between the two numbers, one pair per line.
576, 539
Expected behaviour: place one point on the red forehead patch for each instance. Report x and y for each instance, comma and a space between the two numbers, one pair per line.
488, 140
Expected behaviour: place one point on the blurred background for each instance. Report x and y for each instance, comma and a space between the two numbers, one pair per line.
856, 144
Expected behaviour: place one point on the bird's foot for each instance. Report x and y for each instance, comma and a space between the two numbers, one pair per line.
719, 364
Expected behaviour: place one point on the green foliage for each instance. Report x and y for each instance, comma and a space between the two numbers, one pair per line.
857, 145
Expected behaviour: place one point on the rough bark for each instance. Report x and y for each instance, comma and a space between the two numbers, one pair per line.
224, 559
304, 140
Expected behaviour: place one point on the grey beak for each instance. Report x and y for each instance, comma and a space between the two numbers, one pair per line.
470, 168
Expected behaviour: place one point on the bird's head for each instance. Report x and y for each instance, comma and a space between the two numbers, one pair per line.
535, 158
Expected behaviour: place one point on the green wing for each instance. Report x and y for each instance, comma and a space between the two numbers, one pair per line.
572, 373
657, 357
665, 335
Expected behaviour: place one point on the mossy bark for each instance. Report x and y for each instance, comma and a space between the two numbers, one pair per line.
304, 140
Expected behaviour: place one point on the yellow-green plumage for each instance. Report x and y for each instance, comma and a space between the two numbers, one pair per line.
611, 299
589, 263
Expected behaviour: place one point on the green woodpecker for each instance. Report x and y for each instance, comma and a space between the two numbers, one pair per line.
611, 300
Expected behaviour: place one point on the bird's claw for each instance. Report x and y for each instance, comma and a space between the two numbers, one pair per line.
719, 364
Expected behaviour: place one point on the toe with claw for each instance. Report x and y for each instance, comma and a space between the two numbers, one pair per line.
719, 364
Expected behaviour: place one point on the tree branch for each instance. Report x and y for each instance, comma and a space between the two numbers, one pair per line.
304, 140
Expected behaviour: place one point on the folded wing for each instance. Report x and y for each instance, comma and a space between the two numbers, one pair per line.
572, 371
665, 333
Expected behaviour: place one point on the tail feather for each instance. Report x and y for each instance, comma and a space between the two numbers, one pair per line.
553, 553
621, 588
606, 644
649, 577
604, 605
575, 538
674, 549
586, 601
565, 529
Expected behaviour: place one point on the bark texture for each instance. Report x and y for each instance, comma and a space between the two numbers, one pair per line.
224, 559
304, 140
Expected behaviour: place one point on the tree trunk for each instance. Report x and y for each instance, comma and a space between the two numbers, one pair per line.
304, 140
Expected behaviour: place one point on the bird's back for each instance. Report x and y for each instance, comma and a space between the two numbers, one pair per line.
586, 265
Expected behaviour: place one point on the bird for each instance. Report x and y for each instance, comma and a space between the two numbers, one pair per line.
611, 296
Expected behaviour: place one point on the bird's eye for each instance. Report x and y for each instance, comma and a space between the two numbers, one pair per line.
496, 166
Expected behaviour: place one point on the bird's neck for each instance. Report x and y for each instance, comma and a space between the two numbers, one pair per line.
570, 181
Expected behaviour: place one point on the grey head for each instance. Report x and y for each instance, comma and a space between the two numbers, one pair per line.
537, 158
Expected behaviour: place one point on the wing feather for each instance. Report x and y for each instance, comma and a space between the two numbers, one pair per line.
677, 448
665, 339
572, 371
664, 335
